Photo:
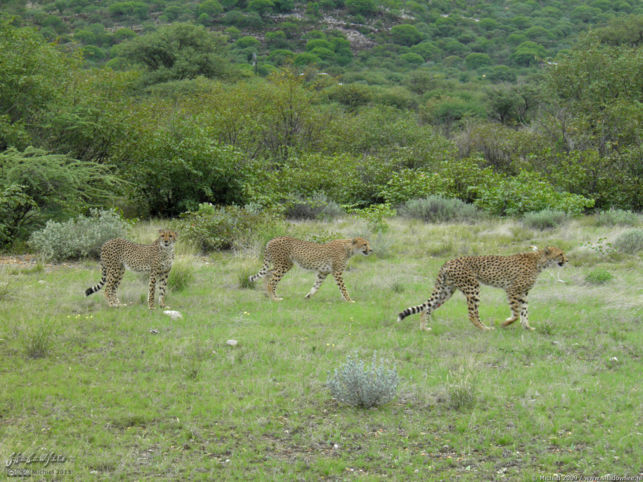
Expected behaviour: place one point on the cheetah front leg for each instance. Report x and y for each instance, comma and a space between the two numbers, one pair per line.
524, 320
162, 288
321, 276
515, 303
150, 295
340, 283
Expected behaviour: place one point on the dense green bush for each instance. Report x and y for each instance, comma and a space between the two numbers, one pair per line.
437, 209
630, 242
528, 192
545, 219
179, 166
359, 385
77, 238
214, 228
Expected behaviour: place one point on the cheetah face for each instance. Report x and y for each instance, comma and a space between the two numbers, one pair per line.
555, 256
167, 238
360, 245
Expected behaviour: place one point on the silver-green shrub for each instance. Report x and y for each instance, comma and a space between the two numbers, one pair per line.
318, 206
359, 385
613, 217
630, 242
78, 238
437, 209
544, 219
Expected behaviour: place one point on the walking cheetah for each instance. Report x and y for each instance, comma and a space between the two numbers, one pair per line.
156, 259
327, 258
516, 274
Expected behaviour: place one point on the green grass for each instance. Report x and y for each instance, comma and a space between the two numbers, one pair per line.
127, 393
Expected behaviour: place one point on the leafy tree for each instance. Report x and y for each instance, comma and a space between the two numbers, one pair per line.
428, 50
277, 39
247, 41
476, 60
528, 53
33, 76
281, 56
306, 58
36, 186
501, 73
128, 9
177, 51
361, 7
284, 6
212, 8
405, 34
412, 58
262, 7
599, 88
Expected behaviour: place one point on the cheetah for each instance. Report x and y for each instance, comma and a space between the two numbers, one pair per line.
156, 259
327, 258
516, 274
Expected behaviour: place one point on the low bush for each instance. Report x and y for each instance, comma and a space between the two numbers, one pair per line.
215, 228
316, 207
615, 217
436, 209
598, 277
461, 390
38, 340
244, 279
358, 385
78, 238
630, 242
181, 275
545, 219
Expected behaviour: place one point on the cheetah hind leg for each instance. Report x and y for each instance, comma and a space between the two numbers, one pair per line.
114, 278
423, 321
321, 276
275, 277
515, 304
473, 299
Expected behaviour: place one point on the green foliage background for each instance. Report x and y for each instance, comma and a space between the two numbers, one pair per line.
516, 108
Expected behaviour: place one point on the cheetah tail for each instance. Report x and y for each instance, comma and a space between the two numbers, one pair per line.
96, 288
411, 311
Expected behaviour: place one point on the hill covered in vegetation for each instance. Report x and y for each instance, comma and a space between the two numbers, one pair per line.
157, 108
377, 41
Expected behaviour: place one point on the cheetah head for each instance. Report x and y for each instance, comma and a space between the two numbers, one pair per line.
554, 256
167, 237
360, 245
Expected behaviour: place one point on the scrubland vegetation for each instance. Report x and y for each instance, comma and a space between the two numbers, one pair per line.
130, 393
432, 129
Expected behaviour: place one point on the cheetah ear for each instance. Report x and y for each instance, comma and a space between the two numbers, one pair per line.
548, 250
355, 241
534, 247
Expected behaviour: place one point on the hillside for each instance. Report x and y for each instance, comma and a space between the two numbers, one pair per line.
373, 41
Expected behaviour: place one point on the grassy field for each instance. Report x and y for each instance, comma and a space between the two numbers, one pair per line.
129, 393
